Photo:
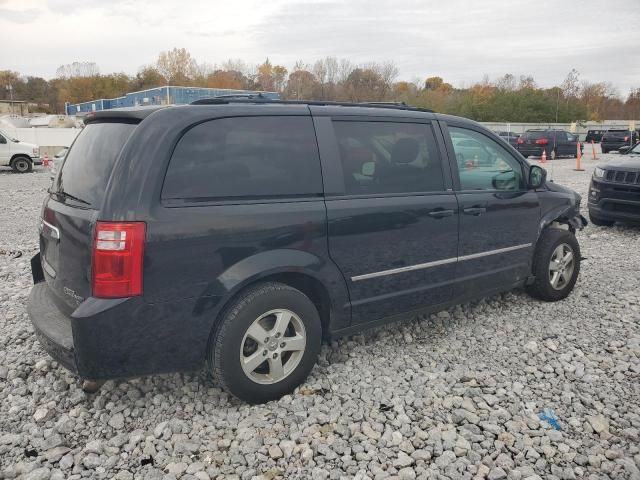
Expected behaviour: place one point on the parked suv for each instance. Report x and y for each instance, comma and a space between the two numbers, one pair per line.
239, 233
594, 135
613, 139
555, 143
20, 156
614, 194
510, 137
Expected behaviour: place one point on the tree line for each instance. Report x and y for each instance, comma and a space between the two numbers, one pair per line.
505, 99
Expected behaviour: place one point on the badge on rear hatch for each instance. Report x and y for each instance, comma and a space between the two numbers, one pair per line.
72, 294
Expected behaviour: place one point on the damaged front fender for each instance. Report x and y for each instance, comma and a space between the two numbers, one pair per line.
564, 214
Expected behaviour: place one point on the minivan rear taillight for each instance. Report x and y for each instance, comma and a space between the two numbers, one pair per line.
626, 139
542, 141
118, 250
520, 141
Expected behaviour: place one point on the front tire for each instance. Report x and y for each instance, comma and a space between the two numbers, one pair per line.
556, 265
21, 165
266, 343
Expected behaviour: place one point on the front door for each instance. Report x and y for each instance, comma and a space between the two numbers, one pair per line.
498, 216
392, 214
4, 150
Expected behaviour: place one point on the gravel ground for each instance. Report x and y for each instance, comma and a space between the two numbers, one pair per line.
455, 395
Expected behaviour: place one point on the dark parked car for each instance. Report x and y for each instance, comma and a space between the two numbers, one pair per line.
616, 138
555, 143
594, 135
629, 149
614, 194
510, 137
239, 233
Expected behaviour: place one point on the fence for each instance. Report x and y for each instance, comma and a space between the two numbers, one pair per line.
580, 129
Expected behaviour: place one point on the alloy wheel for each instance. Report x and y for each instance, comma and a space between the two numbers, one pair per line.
561, 266
273, 346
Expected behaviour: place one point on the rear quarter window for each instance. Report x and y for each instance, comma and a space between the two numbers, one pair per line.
89, 162
245, 157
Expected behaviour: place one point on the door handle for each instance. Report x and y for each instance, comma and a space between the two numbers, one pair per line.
441, 213
474, 210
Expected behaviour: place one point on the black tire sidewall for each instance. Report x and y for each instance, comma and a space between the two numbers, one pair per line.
549, 241
21, 159
225, 351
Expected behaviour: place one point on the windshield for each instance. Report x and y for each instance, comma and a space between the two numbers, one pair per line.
90, 160
6, 135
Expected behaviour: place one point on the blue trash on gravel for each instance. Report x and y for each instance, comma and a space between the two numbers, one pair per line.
549, 416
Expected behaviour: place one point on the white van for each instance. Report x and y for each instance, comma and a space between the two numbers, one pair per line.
20, 156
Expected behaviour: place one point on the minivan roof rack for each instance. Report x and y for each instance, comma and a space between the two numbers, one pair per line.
258, 98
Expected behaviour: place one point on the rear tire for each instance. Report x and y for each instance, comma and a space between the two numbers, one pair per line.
556, 265
21, 164
266, 343
600, 222
604, 150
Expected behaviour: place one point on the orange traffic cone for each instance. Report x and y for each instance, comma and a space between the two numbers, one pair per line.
45, 160
543, 159
593, 150
578, 158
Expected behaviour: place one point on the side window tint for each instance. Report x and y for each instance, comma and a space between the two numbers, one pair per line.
559, 137
388, 157
483, 164
245, 157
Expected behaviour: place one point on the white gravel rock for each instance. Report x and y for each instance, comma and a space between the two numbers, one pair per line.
456, 394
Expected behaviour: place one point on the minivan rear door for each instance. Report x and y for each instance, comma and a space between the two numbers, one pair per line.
70, 211
392, 216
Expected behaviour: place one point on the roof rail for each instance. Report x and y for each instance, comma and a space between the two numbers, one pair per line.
222, 99
262, 99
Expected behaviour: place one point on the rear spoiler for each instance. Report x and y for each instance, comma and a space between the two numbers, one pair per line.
134, 115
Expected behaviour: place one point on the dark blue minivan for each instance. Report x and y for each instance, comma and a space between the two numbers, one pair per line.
238, 233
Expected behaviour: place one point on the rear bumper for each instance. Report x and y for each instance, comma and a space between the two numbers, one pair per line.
613, 145
533, 151
124, 337
52, 327
36, 160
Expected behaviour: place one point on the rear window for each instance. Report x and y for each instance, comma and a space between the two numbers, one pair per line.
245, 157
536, 135
87, 167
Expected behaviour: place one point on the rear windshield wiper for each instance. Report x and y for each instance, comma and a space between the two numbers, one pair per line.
64, 194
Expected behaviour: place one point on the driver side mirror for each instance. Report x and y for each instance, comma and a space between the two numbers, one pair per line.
537, 177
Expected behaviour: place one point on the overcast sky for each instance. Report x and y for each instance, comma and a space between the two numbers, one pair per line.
459, 40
